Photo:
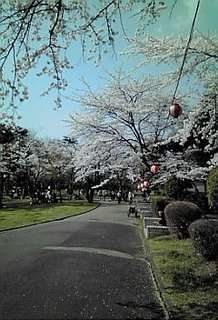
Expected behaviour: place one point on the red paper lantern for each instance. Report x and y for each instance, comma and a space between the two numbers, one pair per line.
146, 184
175, 110
154, 168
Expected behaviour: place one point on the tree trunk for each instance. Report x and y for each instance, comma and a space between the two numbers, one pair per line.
1, 189
60, 195
89, 195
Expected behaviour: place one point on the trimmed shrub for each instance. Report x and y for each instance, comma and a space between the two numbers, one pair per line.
198, 198
212, 188
175, 187
158, 204
179, 215
204, 234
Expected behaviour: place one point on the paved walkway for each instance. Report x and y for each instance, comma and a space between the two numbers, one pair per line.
91, 266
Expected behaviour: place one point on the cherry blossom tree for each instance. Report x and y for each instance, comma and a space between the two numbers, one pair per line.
193, 150
32, 164
201, 63
60, 164
45, 33
109, 142
199, 133
46, 163
36, 163
10, 152
119, 129
101, 160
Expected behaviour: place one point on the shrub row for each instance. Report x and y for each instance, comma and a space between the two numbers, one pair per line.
184, 219
204, 234
158, 204
212, 188
177, 189
179, 215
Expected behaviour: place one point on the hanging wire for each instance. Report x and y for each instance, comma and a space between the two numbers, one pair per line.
183, 61
186, 49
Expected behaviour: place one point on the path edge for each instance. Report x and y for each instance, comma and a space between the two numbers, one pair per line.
156, 281
50, 221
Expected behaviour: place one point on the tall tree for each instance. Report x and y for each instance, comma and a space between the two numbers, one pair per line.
60, 164
10, 152
125, 113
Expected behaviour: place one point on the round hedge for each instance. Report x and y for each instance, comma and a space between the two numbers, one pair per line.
204, 234
158, 203
212, 187
179, 215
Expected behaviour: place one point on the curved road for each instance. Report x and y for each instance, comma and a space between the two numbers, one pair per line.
87, 267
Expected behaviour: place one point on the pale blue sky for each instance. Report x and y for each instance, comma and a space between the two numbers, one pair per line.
38, 113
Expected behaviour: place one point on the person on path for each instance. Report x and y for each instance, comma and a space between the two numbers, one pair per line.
48, 196
104, 193
119, 197
132, 204
130, 197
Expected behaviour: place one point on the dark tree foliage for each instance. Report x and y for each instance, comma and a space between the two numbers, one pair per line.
8, 133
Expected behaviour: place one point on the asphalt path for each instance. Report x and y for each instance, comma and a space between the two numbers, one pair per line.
91, 266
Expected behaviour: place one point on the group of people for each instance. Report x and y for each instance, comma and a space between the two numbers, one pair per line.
132, 203
43, 197
119, 196
130, 197
126, 197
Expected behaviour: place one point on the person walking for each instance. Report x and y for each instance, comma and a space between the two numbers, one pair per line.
119, 197
132, 204
130, 197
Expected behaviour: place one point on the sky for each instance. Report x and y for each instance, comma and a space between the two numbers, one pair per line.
38, 114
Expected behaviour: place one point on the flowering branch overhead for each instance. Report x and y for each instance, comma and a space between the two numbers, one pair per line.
41, 33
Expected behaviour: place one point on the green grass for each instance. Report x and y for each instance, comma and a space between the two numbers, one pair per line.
189, 284
7, 201
17, 217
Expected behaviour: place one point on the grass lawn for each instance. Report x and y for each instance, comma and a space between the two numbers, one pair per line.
188, 283
17, 217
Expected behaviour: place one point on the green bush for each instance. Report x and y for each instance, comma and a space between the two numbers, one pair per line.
200, 199
184, 278
187, 278
212, 186
179, 215
204, 234
175, 188
158, 203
